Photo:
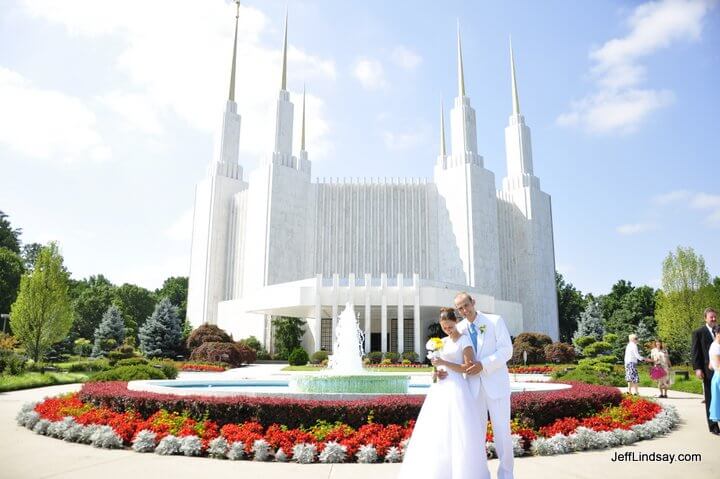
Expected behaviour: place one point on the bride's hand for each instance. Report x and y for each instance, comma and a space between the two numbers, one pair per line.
437, 362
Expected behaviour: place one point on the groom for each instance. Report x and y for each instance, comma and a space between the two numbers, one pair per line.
488, 376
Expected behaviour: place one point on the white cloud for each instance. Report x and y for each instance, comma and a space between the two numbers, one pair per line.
671, 197
47, 124
635, 228
706, 202
369, 73
406, 58
619, 104
172, 70
181, 229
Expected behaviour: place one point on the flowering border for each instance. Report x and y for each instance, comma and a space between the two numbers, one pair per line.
166, 433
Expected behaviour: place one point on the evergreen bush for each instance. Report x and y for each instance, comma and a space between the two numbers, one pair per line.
109, 333
161, 335
318, 357
129, 373
298, 357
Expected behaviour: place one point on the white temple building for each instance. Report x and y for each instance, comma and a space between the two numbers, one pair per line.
278, 243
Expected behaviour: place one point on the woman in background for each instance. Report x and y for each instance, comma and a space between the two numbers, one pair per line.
661, 370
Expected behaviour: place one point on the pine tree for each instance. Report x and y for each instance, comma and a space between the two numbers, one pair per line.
110, 332
42, 314
161, 335
591, 322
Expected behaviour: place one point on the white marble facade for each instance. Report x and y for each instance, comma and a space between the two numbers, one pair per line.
279, 243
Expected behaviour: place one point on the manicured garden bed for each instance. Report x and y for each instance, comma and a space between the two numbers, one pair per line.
166, 432
534, 408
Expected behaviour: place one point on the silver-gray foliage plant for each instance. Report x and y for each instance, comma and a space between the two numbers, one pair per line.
304, 453
218, 448
144, 441
87, 432
191, 446
41, 427
261, 450
106, 438
333, 453
236, 451
72, 434
168, 446
367, 454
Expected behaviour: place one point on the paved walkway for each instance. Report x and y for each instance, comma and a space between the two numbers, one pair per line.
24, 454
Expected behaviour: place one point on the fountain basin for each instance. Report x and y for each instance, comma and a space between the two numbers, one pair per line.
351, 384
282, 388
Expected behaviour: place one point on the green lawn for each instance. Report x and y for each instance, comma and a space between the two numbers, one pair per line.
425, 369
36, 380
690, 385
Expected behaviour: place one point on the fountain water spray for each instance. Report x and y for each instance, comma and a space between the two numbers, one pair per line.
348, 346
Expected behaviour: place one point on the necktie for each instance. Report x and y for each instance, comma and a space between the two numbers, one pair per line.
473, 336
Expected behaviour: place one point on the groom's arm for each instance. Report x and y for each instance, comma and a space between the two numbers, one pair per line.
503, 349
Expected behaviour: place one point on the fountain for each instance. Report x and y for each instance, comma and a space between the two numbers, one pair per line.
345, 372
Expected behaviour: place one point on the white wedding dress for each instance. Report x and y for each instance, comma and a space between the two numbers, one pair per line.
447, 442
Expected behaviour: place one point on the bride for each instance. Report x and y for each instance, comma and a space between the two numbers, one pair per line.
447, 442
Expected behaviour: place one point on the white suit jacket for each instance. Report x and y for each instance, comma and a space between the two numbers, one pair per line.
494, 350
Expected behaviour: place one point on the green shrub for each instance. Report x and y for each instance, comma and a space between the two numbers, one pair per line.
532, 343
123, 352
596, 349
410, 356
583, 341
96, 365
82, 347
298, 357
253, 343
374, 357
610, 338
598, 370
559, 353
12, 363
263, 355
393, 357
136, 361
318, 357
406, 362
129, 373
168, 368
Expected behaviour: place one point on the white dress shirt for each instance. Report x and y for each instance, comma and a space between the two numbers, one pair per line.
631, 353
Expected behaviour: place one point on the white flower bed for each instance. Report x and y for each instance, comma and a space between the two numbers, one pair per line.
582, 439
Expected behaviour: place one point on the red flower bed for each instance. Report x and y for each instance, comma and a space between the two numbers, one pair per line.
198, 367
538, 409
628, 412
531, 369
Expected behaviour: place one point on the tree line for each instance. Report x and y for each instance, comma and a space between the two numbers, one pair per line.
54, 312
670, 313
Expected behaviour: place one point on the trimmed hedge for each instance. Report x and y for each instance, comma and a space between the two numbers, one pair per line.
129, 373
537, 408
559, 353
298, 357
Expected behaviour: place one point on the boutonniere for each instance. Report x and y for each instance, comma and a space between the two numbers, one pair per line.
481, 329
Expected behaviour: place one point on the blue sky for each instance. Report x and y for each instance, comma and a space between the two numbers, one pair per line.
109, 113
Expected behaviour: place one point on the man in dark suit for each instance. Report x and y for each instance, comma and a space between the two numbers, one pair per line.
701, 340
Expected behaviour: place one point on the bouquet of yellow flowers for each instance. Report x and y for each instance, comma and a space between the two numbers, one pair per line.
434, 346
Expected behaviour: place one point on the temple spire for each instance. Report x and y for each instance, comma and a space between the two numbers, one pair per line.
461, 75
515, 98
283, 85
231, 96
443, 150
302, 129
